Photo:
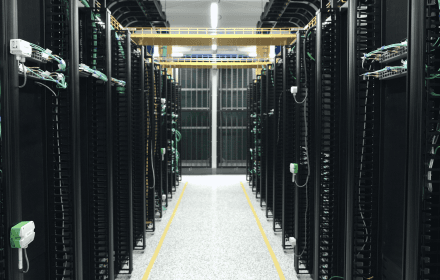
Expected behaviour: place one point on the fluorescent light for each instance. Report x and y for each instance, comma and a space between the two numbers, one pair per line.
156, 51
214, 47
272, 52
253, 54
214, 15
177, 54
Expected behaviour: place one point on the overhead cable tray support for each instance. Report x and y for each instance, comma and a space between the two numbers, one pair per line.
205, 36
216, 63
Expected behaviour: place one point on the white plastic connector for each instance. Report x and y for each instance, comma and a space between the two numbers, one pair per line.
45, 74
292, 241
21, 49
60, 77
46, 54
294, 90
163, 152
164, 196
163, 101
21, 68
293, 170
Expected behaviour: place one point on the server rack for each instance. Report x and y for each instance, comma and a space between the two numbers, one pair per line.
422, 250
363, 143
63, 147
171, 136
278, 139
122, 151
150, 124
262, 89
256, 131
97, 185
270, 124
291, 149
140, 150
167, 95
159, 190
325, 44
249, 138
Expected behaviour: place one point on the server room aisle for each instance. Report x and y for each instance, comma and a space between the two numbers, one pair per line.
214, 235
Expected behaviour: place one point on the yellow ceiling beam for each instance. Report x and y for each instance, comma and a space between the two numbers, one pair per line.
204, 36
220, 65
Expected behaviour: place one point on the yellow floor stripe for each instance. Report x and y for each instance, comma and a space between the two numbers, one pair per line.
156, 253
272, 254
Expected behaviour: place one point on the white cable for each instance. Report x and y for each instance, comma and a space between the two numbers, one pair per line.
25, 76
361, 166
53, 92
152, 166
59, 171
27, 261
305, 114
305, 147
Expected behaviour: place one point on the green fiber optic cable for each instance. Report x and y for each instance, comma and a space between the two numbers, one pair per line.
94, 16
310, 56
336, 277
435, 94
61, 62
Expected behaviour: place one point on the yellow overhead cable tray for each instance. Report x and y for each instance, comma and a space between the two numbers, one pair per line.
174, 62
169, 36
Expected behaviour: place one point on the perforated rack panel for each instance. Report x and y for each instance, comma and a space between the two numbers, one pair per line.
59, 152
264, 155
329, 201
291, 146
429, 256
367, 149
122, 149
97, 191
140, 148
150, 122
270, 124
278, 138
158, 142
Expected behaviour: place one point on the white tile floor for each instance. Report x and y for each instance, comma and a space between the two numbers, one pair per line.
214, 235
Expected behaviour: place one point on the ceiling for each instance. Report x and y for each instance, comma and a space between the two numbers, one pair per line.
234, 13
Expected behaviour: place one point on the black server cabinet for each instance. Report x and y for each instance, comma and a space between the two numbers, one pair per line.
141, 168
122, 151
249, 141
422, 249
262, 85
150, 143
97, 151
326, 46
157, 126
270, 130
290, 146
269, 146
278, 139
63, 148
363, 146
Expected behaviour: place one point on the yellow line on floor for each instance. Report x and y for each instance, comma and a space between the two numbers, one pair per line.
156, 252
272, 254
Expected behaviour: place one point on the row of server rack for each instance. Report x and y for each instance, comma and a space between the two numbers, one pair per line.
89, 142
342, 140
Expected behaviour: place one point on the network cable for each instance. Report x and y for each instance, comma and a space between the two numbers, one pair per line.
304, 102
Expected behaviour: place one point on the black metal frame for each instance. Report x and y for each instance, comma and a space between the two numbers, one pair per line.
123, 152
10, 183
97, 152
